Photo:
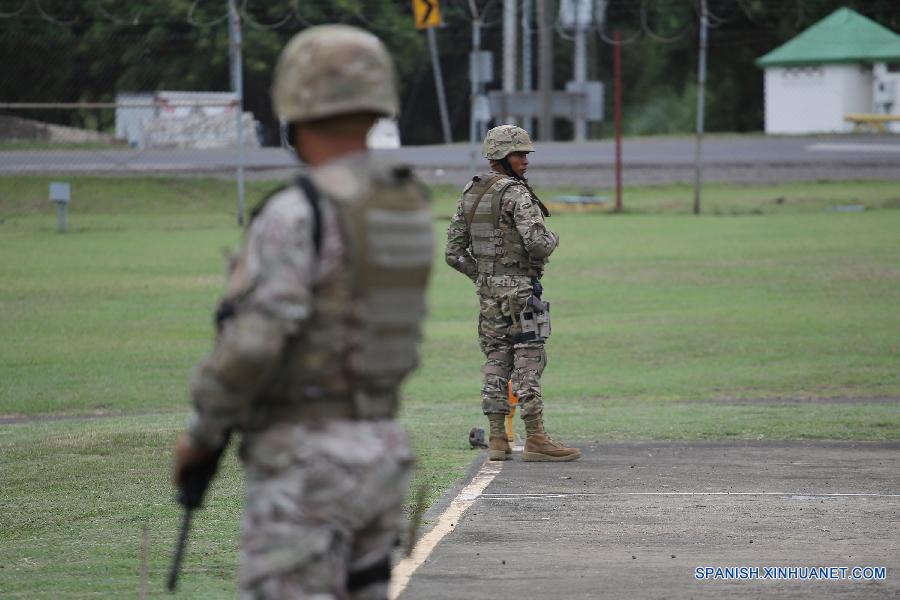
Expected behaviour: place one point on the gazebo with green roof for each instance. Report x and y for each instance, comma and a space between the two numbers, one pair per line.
836, 67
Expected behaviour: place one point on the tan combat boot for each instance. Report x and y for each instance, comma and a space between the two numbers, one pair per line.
498, 446
540, 448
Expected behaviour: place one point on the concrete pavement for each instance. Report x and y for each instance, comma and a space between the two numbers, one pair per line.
636, 519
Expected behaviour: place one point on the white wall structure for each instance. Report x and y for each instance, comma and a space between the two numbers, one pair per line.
814, 99
179, 119
131, 113
886, 92
837, 67
857, 88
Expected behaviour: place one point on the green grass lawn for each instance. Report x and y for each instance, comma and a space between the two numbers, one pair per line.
660, 320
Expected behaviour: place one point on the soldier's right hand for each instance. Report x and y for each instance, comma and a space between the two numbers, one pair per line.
187, 456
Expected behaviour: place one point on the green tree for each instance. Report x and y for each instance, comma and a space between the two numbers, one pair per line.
57, 50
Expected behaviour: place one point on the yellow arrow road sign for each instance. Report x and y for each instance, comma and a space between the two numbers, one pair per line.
427, 13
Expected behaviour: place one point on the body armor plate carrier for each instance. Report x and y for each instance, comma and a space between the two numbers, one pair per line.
496, 245
361, 340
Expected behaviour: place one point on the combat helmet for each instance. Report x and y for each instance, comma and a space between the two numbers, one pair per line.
503, 140
331, 70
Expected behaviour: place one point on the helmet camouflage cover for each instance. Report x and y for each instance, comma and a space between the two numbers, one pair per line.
503, 140
331, 70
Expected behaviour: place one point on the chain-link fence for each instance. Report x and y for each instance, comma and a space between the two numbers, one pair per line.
114, 88
121, 88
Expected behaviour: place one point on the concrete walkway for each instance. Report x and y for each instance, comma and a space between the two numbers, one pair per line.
635, 520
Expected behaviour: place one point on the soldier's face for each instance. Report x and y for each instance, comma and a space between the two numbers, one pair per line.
519, 162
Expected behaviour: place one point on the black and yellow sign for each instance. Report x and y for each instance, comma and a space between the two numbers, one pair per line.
427, 13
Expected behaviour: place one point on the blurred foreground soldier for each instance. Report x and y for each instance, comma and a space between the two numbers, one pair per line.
498, 239
319, 326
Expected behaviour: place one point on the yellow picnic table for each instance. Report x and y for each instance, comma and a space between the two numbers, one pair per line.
875, 123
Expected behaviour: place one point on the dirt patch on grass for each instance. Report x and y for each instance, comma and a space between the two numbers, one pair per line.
18, 419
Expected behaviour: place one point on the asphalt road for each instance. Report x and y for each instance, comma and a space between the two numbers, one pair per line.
646, 160
635, 519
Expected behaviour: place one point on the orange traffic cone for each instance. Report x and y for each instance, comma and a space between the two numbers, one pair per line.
510, 418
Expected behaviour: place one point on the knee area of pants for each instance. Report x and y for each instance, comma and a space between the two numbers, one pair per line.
525, 376
530, 362
494, 382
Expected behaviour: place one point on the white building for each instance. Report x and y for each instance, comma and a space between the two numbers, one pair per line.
844, 64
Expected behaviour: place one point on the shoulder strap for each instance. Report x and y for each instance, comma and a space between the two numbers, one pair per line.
490, 183
544, 210
257, 210
227, 307
312, 194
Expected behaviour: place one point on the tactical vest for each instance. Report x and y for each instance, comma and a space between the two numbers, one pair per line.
495, 242
362, 337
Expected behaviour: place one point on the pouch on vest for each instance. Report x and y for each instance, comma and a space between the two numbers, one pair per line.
535, 320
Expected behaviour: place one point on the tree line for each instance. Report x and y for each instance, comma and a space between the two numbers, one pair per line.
60, 51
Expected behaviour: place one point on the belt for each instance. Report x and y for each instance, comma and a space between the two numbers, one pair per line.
504, 270
359, 405
499, 269
317, 410
506, 280
324, 410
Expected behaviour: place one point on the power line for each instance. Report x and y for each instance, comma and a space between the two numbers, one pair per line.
190, 17
601, 32
245, 17
15, 13
763, 14
645, 26
113, 18
295, 10
48, 17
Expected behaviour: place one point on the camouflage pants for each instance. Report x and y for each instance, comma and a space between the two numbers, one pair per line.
322, 510
502, 299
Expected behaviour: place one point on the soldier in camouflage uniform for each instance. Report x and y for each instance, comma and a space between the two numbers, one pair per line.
319, 325
499, 240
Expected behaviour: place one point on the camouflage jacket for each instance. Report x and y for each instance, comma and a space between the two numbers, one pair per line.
294, 330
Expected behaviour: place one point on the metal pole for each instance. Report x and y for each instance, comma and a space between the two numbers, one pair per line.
237, 86
701, 87
509, 52
617, 69
580, 67
62, 211
474, 86
545, 70
439, 85
527, 122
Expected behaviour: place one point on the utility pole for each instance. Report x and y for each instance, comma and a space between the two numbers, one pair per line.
527, 83
545, 70
580, 66
701, 87
509, 52
237, 86
617, 114
474, 85
439, 85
